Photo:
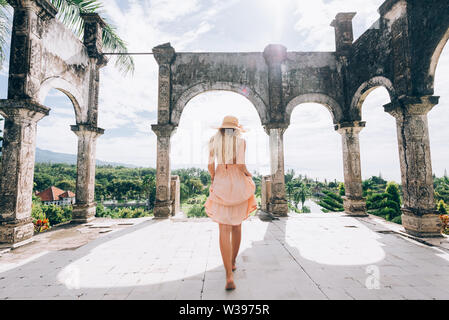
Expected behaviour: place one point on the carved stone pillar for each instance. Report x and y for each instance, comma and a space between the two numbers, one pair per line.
17, 172
419, 215
84, 208
163, 202
353, 201
175, 189
164, 55
278, 201
93, 41
26, 48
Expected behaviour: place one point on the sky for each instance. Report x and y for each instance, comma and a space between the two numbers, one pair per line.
128, 105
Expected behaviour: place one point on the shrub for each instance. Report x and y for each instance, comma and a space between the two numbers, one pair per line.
57, 214
133, 213
341, 189
100, 211
441, 207
197, 211
121, 213
40, 221
445, 223
334, 196
397, 220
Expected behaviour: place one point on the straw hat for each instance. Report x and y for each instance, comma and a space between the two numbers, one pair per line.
231, 122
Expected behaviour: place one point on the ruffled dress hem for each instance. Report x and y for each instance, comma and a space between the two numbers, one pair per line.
231, 196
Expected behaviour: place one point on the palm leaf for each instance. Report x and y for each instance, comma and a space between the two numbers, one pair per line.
5, 27
69, 14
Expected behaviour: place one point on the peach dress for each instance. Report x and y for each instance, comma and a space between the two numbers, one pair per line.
231, 195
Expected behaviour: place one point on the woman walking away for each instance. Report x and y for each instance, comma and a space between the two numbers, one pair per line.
231, 194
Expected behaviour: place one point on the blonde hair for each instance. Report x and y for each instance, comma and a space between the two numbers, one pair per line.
216, 145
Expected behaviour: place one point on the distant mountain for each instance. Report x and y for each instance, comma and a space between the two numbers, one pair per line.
47, 156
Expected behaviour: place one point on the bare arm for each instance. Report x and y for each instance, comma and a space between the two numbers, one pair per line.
211, 168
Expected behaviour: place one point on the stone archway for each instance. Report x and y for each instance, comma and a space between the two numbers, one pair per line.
197, 89
45, 55
366, 88
331, 105
397, 52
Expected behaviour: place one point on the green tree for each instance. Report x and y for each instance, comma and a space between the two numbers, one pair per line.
66, 185
289, 176
301, 194
386, 204
149, 187
69, 13
42, 181
341, 189
393, 192
441, 207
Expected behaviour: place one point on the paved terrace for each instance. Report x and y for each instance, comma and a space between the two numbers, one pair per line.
306, 256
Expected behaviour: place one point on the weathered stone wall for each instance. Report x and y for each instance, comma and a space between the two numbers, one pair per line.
243, 73
429, 32
312, 77
45, 55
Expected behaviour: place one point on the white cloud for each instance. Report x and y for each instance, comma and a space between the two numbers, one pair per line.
315, 18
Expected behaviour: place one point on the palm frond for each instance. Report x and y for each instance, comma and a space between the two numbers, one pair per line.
113, 43
69, 14
5, 30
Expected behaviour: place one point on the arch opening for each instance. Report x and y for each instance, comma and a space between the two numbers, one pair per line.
438, 117
312, 153
198, 89
189, 144
379, 137
317, 98
198, 121
366, 88
68, 90
56, 149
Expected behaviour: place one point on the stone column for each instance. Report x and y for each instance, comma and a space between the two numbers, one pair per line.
163, 202
164, 55
17, 170
353, 201
278, 201
274, 56
84, 208
265, 193
175, 193
419, 215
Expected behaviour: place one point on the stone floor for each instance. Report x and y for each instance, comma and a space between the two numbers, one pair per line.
307, 256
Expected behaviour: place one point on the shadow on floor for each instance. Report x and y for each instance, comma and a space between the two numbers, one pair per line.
308, 256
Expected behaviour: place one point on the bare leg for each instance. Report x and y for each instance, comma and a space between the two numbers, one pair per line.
226, 254
236, 238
